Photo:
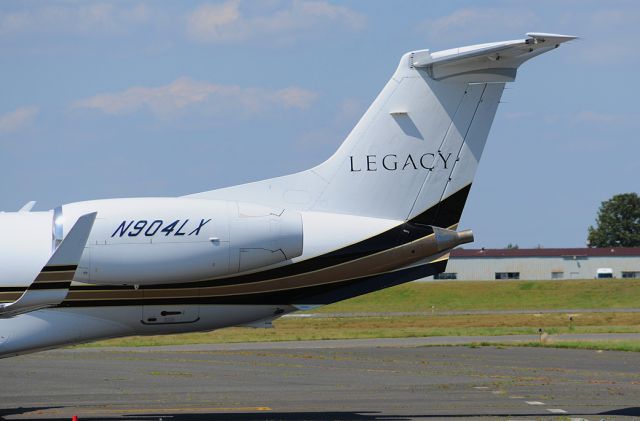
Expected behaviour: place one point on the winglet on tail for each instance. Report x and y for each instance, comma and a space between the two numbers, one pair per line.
52, 283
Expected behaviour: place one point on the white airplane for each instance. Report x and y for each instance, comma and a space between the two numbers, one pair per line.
383, 210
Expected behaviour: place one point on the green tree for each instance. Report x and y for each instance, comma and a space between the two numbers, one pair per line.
618, 222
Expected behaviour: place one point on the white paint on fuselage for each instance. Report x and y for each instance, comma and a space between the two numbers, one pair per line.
325, 232
322, 233
53, 328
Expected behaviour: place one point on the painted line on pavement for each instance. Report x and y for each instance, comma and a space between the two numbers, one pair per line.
556, 411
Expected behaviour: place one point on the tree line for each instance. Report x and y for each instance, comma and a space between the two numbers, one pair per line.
617, 223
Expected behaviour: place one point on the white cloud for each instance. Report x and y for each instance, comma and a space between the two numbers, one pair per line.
73, 18
607, 119
294, 97
184, 92
230, 22
216, 21
18, 119
478, 23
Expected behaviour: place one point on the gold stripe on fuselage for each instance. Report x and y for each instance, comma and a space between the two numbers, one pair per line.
377, 263
374, 264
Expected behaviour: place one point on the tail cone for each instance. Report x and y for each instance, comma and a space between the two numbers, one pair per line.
448, 239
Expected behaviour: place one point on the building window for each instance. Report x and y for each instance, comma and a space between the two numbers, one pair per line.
446, 275
631, 274
507, 275
557, 275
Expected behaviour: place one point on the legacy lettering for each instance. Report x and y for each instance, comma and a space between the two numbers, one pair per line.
393, 162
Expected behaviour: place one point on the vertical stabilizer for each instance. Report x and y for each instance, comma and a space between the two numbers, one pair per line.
414, 153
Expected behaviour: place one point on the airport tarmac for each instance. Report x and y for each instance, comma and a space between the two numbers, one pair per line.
357, 380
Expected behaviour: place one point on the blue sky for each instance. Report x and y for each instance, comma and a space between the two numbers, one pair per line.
119, 99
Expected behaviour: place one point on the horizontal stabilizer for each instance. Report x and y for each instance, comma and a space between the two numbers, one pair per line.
492, 62
51, 285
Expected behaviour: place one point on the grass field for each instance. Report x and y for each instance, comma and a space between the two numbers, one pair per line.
628, 346
498, 295
446, 296
288, 329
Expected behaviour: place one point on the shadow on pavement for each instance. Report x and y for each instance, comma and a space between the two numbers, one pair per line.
23, 410
285, 416
628, 412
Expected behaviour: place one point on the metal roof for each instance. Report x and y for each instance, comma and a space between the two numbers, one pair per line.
547, 252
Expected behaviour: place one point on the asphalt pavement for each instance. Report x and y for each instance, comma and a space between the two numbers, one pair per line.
317, 380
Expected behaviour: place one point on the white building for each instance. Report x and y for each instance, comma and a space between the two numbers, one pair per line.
542, 263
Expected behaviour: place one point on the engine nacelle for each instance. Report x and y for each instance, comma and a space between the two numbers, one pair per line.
172, 240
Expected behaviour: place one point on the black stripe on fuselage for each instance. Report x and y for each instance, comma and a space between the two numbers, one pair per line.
59, 268
318, 294
362, 286
446, 213
13, 289
49, 285
394, 237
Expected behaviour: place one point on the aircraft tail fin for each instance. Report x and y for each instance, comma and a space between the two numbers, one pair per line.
51, 285
414, 153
